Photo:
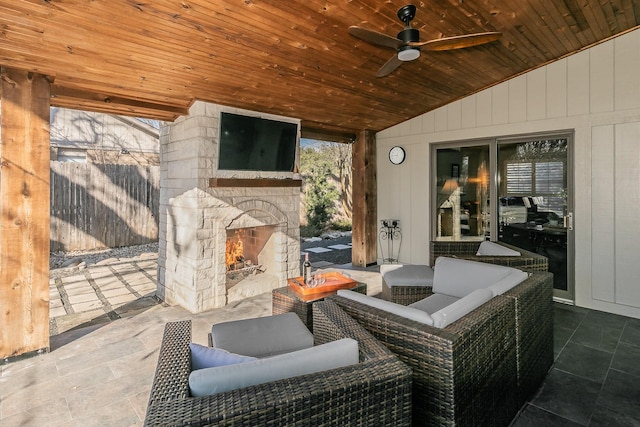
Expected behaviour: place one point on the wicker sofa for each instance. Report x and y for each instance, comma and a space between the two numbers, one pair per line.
450, 365
463, 374
533, 301
527, 261
376, 391
534, 308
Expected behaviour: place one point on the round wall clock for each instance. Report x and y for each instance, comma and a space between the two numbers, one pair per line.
397, 155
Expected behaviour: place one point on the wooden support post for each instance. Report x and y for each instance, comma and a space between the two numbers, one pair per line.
24, 213
364, 230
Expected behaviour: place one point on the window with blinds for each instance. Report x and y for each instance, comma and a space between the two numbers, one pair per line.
543, 180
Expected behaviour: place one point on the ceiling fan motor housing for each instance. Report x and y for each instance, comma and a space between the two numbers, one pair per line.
409, 35
408, 53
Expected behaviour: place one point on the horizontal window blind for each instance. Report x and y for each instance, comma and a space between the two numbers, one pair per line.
544, 180
549, 177
519, 178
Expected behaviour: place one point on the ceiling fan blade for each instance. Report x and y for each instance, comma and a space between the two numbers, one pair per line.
375, 37
457, 42
389, 67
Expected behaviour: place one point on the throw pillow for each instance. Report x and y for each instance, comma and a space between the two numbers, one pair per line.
209, 357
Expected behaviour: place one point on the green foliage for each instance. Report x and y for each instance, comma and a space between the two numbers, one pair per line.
320, 193
341, 225
310, 231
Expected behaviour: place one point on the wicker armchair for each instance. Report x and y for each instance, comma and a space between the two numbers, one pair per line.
377, 391
464, 374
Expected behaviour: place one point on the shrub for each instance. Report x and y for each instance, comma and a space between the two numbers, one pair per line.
310, 231
341, 225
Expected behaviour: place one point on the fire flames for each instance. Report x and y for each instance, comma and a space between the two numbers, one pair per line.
235, 249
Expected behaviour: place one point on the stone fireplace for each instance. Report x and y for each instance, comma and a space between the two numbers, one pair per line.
205, 213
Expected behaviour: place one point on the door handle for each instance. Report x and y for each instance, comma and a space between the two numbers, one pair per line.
568, 221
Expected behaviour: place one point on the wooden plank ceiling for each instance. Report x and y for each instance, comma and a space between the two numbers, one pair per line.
153, 58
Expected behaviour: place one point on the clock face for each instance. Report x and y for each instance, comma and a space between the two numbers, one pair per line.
396, 155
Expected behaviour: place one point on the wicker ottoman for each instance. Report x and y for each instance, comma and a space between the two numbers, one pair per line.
406, 283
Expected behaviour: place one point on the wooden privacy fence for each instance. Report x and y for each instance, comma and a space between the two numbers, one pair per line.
103, 205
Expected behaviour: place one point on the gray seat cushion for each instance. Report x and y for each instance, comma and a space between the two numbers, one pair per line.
434, 302
407, 275
262, 336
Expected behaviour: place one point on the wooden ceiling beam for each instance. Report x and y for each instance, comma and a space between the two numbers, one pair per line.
152, 92
76, 98
320, 134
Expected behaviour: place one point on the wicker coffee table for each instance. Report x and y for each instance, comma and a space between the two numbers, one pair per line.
286, 299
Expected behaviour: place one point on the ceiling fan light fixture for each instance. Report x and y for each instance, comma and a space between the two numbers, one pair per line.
408, 53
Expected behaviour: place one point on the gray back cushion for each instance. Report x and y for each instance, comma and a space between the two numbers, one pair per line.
459, 277
509, 281
461, 308
495, 249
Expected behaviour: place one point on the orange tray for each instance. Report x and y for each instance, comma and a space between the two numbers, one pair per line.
334, 281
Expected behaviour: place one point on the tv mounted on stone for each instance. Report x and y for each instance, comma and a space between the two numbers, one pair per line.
255, 144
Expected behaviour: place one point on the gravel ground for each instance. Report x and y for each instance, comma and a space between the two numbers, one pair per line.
66, 263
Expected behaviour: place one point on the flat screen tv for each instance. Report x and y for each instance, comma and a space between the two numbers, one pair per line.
256, 144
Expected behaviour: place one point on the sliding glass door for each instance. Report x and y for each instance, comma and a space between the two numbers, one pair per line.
462, 187
513, 190
534, 212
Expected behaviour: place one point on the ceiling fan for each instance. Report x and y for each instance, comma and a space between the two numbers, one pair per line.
408, 44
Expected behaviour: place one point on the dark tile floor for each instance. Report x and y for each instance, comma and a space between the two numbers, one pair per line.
595, 380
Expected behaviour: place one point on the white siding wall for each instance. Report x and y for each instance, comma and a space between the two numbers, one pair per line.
595, 93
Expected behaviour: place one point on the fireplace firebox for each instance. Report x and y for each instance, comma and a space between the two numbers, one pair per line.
247, 252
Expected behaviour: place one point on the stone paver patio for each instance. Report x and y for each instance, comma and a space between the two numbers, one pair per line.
107, 327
